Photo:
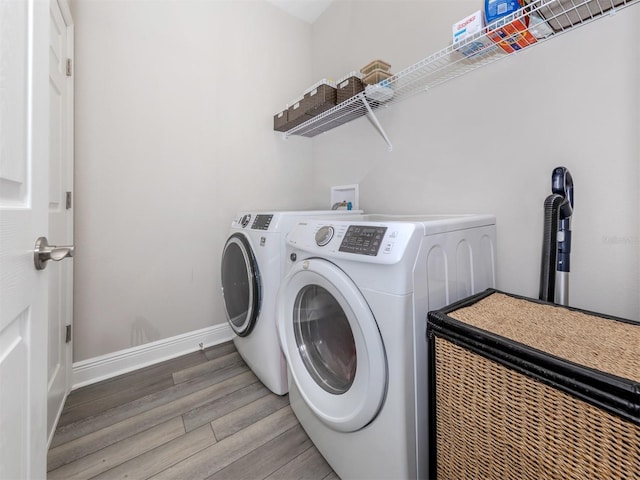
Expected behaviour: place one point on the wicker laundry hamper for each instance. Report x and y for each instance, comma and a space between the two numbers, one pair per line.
522, 389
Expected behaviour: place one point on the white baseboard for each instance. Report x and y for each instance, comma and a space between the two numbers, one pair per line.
103, 367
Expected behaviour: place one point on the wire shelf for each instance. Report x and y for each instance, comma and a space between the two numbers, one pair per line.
559, 16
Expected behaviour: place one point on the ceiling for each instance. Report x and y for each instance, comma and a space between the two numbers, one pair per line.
307, 10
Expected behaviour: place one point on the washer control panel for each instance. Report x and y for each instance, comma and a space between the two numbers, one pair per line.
362, 239
262, 222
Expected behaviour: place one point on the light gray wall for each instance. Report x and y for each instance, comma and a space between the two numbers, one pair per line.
488, 141
174, 104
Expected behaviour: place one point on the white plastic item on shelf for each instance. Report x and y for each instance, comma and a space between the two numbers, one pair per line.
538, 27
380, 92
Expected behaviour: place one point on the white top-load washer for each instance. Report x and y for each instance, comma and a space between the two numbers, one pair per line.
352, 323
253, 263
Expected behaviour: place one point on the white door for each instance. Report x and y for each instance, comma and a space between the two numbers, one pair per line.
24, 153
60, 210
332, 344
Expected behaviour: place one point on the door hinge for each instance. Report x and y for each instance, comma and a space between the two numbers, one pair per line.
67, 337
68, 201
69, 67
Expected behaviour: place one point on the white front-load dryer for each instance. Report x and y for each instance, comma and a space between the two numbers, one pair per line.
351, 315
252, 265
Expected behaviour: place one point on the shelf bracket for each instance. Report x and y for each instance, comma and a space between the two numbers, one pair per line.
376, 123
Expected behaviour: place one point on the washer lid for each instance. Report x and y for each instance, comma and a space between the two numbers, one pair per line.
241, 285
332, 344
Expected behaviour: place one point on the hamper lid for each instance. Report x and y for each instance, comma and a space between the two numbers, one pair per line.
605, 344
592, 356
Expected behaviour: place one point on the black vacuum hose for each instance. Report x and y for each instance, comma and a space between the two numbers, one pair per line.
549, 247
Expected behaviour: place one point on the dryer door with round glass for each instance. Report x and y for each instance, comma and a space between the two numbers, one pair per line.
332, 343
241, 288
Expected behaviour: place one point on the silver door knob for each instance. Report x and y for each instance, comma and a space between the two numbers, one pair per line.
44, 252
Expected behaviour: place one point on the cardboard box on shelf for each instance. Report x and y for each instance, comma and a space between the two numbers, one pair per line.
376, 76
495, 9
469, 26
510, 34
375, 65
513, 36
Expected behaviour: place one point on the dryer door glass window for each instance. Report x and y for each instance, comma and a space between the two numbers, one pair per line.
240, 287
324, 338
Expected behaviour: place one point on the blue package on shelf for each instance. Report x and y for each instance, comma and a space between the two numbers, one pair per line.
495, 9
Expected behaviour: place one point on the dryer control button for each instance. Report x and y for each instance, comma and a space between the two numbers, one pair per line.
324, 235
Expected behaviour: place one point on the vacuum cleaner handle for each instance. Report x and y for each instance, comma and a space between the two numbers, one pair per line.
562, 184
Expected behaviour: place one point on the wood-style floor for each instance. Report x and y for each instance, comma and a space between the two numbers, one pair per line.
201, 416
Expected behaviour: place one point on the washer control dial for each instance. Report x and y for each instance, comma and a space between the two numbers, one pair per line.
244, 221
324, 235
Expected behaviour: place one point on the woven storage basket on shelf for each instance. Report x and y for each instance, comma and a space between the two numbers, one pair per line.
522, 389
348, 87
281, 121
296, 114
319, 99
